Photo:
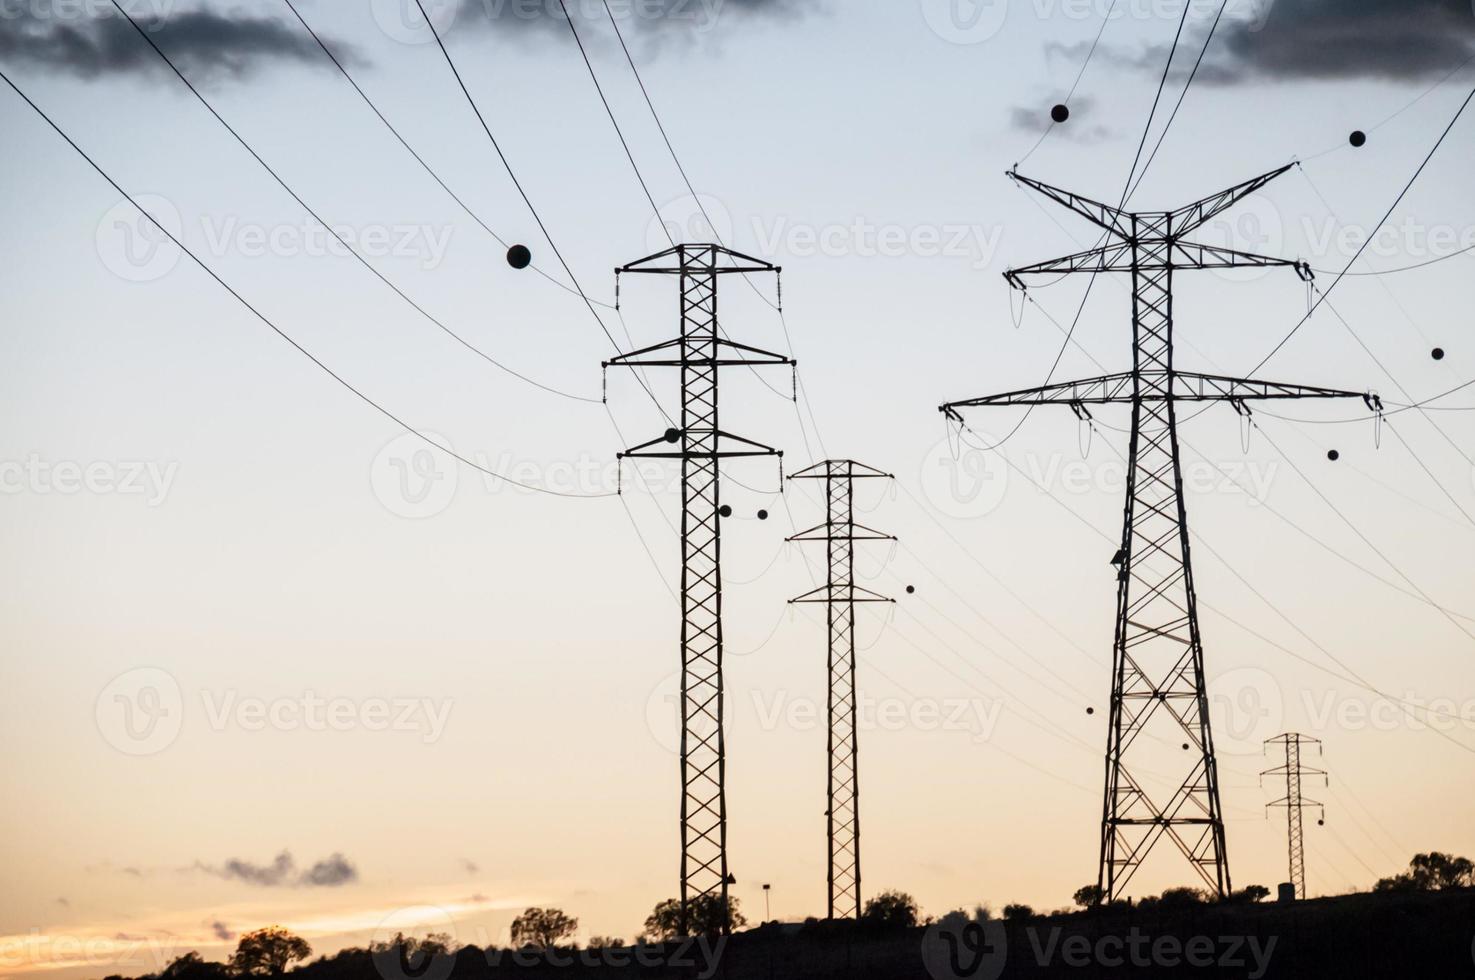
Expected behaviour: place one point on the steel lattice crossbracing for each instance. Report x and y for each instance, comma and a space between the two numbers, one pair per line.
1157, 653
700, 352
1293, 802
840, 594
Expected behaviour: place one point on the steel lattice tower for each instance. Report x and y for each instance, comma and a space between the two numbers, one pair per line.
700, 444
840, 594
1158, 661
1293, 801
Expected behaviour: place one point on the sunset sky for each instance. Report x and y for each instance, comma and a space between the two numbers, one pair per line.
270, 659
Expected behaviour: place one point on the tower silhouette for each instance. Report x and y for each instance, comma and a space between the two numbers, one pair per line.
700, 444
1293, 801
839, 532
1157, 652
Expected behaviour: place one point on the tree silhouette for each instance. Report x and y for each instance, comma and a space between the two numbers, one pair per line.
892, 908
1434, 871
543, 928
1018, 912
1088, 896
267, 952
1249, 894
709, 917
191, 966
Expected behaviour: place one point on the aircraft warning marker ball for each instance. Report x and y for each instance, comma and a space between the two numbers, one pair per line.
519, 257
911, 589
763, 515
1333, 455
1357, 138
1059, 112
725, 510
1437, 353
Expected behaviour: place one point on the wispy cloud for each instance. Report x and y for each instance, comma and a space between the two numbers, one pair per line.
282, 872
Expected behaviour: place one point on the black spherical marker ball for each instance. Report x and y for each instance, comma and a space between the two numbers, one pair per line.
1333, 455
911, 590
1437, 353
1060, 112
1357, 138
724, 511
1185, 746
519, 257
1321, 823
673, 435
763, 515
1090, 711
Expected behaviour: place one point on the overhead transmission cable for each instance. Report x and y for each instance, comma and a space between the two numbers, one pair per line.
1367, 240
273, 326
343, 69
522, 192
144, 34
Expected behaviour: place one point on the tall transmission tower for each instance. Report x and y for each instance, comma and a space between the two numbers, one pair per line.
1293, 801
840, 594
700, 444
1158, 663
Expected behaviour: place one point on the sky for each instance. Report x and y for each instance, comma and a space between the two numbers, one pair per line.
271, 658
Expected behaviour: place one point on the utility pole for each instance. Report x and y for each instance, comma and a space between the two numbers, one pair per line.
1293, 801
840, 594
700, 444
1157, 653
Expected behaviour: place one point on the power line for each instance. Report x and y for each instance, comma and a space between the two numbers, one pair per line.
522, 192
329, 228
337, 63
655, 210
1181, 96
1365, 540
1367, 240
276, 329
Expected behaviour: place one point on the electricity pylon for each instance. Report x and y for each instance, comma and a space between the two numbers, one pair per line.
1293, 801
840, 594
1157, 652
700, 352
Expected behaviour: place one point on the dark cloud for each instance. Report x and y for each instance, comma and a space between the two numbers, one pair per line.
689, 17
470, 866
1394, 39
282, 872
221, 931
206, 46
1398, 40
64, 903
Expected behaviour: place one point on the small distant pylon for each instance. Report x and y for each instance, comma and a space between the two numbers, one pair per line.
1293, 801
840, 594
